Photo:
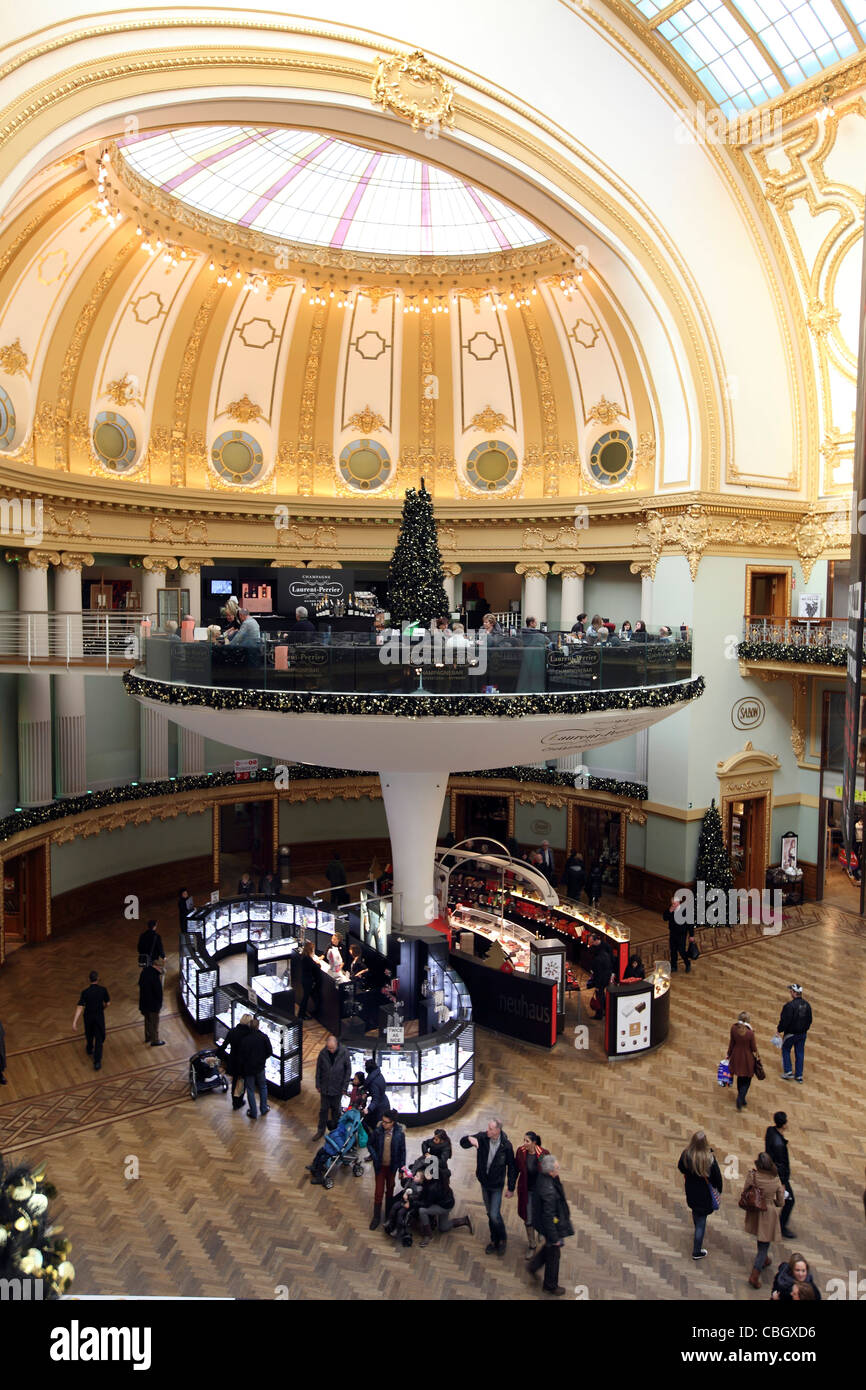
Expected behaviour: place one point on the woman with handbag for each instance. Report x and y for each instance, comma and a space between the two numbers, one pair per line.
761, 1198
743, 1056
703, 1183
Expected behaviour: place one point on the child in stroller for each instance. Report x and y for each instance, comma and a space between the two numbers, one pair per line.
341, 1146
205, 1074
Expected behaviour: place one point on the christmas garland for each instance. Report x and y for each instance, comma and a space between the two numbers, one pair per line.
31, 1251
835, 655
549, 777
416, 706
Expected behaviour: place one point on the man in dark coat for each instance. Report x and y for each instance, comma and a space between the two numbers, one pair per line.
494, 1165
601, 969
184, 908
794, 1024
231, 1049
333, 1069
335, 873
150, 1001
679, 932
548, 866
150, 945
245, 885
552, 1220
93, 1002
776, 1145
255, 1051
377, 1097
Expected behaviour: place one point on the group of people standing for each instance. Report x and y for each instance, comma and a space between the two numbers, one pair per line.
95, 998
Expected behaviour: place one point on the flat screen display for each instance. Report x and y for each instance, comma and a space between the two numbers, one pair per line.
221, 588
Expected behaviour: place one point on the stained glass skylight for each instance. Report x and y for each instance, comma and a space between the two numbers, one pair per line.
746, 52
312, 188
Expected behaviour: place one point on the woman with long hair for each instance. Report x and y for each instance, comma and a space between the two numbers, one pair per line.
764, 1223
792, 1277
528, 1158
311, 978
742, 1055
703, 1185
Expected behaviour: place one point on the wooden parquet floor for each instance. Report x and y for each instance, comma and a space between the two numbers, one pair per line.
221, 1205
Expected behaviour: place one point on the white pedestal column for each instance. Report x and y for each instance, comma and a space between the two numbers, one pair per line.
191, 579
451, 573
413, 806
69, 708
33, 602
153, 573
154, 745
68, 628
191, 753
34, 740
572, 576
534, 591
646, 591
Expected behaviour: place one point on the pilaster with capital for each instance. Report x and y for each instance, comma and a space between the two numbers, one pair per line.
646, 588
34, 740
68, 625
534, 574
451, 572
154, 569
572, 574
191, 570
33, 600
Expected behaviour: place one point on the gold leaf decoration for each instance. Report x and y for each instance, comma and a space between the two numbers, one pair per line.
487, 420
122, 391
606, 412
244, 410
413, 88
366, 420
13, 359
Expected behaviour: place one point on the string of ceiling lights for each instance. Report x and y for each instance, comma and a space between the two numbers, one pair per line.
155, 243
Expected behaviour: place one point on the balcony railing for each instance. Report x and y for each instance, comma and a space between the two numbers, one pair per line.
506, 665
807, 641
78, 639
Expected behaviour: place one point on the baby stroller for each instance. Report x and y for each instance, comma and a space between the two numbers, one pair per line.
204, 1073
342, 1146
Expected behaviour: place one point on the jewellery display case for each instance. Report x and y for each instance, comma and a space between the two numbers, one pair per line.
197, 980
283, 1069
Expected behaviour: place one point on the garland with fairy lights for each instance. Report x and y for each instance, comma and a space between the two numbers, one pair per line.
830, 655
34, 816
416, 706
33, 1253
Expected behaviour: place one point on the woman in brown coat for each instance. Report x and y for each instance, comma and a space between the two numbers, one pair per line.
764, 1225
741, 1055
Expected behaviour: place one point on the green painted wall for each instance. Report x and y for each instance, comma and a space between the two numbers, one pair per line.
525, 818
112, 731
133, 850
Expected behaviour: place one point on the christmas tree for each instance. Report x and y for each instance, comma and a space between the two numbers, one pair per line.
416, 580
714, 865
34, 1255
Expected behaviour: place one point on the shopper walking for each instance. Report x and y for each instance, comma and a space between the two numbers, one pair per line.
703, 1186
495, 1165
311, 980
150, 1001
742, 1055
231, 1049
680, 933
150, 947
528, 1157
593, 885
333, 1069
2, 1055
93, 1002
776, 1145
552, 1221
792, 1277
794, 1023
254, 1053
388, 1151
762, 1197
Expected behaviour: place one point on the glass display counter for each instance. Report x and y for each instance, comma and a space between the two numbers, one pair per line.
514, 940
637, 1018
576, 925
283, 1069
197, 980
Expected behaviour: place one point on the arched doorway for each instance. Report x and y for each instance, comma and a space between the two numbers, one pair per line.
746, 809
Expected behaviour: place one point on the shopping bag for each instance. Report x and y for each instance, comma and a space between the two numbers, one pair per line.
724, 1073
777, 1040
693, 951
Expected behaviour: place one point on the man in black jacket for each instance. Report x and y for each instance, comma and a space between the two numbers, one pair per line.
794, 1024
150, 1001
679, 932
93, 1002
333, 1069
255, 1051
601, 970
150, 947
494, 1163
552, 1220
231, 1050
776, 1145
184, 908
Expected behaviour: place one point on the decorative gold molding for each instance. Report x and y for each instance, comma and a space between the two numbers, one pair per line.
122, 391
413, 88
487, 420
244, 410
13, 359
193, 565
158, 564
165, 528
76, 560
368, 421
180, 427
547, 402
606, 412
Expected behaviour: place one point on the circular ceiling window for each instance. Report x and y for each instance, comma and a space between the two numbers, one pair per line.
114, 442
491, 466
612, 458
237, 458
365, 465
7, 420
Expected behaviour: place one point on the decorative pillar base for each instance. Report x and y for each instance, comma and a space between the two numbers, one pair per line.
413, 806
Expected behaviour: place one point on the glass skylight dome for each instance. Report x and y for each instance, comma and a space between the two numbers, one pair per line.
311, 188
746, 52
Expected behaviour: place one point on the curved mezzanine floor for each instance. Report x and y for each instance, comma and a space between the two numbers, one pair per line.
221, 1205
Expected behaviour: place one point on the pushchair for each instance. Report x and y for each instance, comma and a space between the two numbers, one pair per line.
204, 1073
342, 1146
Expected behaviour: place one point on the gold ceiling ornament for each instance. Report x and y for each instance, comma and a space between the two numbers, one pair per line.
244, 410
155, 564
645, 454
488, 420
546, 393
166, 529
427, 423
180, 428
123, 391
77, 560
158, 454
13, 359
821, 319
74, 523
551, 473
689, 530
606, 412
366, 420
413, 88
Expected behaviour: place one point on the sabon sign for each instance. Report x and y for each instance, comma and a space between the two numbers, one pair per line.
748, 713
